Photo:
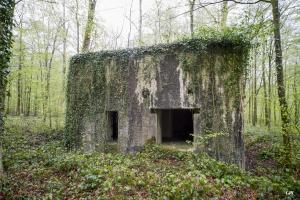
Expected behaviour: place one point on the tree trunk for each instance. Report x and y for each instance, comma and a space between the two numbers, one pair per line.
140, 22
250, 98
6, 24
254, 116
296, 98
44, 90
28, 91
35, 108
224, 15
20, 65
8, 99
192, 5
266, 108
130, 24
158, 25
274, 101
77, 26
250, 106
48, 78
64, 54
280, 82
270, 53
89, 26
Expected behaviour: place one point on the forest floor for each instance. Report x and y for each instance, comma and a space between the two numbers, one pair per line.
38, 167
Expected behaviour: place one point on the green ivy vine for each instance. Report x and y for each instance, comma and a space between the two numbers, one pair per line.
84, 91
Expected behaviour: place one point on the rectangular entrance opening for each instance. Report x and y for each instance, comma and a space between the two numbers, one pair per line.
112, 125
176, 125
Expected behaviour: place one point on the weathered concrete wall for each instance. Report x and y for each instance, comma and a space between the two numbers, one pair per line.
137, 85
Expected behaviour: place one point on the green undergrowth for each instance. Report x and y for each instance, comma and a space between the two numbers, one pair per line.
265, 152
39, 167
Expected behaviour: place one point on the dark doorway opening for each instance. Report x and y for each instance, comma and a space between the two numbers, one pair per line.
176, 125
112, 125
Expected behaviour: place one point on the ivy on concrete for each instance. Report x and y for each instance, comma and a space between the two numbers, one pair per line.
229, 40
88, 80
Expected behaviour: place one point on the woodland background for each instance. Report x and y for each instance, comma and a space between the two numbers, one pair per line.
46, 33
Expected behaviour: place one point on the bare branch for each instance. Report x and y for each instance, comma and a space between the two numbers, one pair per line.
203, 5
252, 2
47, 1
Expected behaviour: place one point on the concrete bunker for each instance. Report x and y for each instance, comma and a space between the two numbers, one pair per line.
164, 92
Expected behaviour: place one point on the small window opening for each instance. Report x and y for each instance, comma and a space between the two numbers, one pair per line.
112, 123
